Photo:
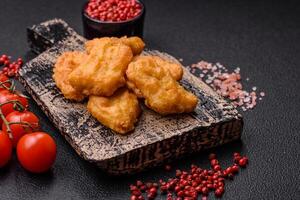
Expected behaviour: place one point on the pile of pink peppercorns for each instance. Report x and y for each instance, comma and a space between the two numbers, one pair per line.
189, 185
113, 10
10, 68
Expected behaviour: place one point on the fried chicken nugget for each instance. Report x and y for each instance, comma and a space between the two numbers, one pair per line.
118, 112
135, 43
103, 72
175, 70
134, 89
65, 64
161, 91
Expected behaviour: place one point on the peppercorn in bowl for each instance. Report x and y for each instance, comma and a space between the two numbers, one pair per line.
113, 18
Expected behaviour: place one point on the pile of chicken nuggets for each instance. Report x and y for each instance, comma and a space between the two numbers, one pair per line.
115, 77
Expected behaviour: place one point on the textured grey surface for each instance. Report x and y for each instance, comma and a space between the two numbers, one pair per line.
260, 37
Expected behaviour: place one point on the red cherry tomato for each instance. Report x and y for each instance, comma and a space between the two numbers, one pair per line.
20, 128
36, 152
4, 78
5, 149
6, 96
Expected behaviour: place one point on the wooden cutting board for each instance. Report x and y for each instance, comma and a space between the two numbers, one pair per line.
156, 139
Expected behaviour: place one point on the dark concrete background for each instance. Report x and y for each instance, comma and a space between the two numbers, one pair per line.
260, 37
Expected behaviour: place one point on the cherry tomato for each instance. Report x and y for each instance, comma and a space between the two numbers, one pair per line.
6, 96
5, 149
4, 78
18, 130
36, 152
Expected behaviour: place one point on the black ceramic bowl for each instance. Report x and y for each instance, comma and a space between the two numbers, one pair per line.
93, 28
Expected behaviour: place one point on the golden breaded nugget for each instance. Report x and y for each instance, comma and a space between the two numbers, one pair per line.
175, 70
103, 72
135, 43
118, 112
161, 91
134, 89
65, 64
96, 44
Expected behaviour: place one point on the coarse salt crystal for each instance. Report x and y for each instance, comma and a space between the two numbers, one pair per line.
237, 70
208, 81
247, 99
228, 84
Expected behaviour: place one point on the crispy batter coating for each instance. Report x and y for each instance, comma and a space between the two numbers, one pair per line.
135, 43
103, 72
130, 85
65, 64
175, 70
95, 45
118, 112
161, 91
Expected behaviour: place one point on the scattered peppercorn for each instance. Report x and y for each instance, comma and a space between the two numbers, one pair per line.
235, 169
113, 10
10, 68
189, 185
212, 156
168, 167
243, 162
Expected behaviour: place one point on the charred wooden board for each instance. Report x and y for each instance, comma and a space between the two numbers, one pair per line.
156, 139
42, 36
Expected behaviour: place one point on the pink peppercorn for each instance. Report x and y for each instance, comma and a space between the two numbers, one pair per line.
187, 185
113, 10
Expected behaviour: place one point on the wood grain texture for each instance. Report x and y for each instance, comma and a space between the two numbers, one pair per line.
156, 139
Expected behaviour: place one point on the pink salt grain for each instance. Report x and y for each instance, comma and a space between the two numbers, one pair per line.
228, 84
